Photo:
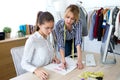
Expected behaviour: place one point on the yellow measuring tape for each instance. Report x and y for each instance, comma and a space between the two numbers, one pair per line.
72, 42
87, 74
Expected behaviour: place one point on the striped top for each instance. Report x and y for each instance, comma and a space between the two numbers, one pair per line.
76, 33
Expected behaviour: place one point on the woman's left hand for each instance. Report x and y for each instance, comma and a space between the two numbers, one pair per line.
80, 65
56, 60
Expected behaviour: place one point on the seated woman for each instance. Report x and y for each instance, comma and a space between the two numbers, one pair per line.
38, 50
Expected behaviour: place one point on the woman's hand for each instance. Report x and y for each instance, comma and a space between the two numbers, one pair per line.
80, 65
63, 65
42, 74
55, 60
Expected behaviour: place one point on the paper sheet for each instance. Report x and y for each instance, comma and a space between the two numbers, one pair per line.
56, 67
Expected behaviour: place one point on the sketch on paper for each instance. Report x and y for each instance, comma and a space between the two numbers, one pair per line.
56, 67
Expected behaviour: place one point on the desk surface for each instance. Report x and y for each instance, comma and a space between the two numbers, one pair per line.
111, 72
13, 39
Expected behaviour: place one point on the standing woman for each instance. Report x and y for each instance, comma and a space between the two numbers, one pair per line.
69, 35
38, 50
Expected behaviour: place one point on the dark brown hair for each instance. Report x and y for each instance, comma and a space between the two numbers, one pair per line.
43, 17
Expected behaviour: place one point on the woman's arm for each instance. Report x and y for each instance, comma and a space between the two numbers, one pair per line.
78, 42
79, 61
27, 56
41, 73
59, 30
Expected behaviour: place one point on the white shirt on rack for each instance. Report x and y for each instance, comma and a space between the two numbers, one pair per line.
117, 26
38, 52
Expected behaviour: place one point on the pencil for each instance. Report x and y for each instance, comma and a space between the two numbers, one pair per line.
66, 68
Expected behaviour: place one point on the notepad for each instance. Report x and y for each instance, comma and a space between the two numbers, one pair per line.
90, 60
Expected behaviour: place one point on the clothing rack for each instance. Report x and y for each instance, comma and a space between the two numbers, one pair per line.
96, 8
109, 47
106, 48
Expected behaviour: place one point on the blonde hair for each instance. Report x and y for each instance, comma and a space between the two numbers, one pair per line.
74, 9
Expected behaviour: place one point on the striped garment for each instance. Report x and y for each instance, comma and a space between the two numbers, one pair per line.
75, 33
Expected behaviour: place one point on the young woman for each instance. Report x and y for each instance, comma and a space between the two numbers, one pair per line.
38, 50
68, 32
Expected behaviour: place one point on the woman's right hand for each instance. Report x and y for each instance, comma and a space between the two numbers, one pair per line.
42, 74
64, 65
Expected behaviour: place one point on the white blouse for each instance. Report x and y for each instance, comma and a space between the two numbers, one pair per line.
38, 52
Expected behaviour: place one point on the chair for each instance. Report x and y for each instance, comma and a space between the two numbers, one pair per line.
17, 53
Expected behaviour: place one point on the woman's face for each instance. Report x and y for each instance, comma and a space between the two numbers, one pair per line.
46, 28
69, 19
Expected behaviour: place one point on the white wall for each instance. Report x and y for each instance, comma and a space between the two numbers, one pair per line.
16, 12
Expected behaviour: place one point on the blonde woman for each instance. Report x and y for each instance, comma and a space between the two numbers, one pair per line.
68, 32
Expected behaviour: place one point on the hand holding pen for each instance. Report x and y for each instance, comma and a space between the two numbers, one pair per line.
64, 65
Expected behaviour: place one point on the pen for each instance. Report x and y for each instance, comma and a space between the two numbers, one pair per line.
66, 68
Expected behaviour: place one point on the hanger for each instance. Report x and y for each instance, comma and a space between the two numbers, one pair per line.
79, 3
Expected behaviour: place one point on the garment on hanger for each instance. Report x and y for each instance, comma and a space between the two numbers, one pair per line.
92, 23
117, 26
83, 18
97, 21
114, 15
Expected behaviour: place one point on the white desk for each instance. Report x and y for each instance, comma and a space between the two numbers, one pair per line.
111, 72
